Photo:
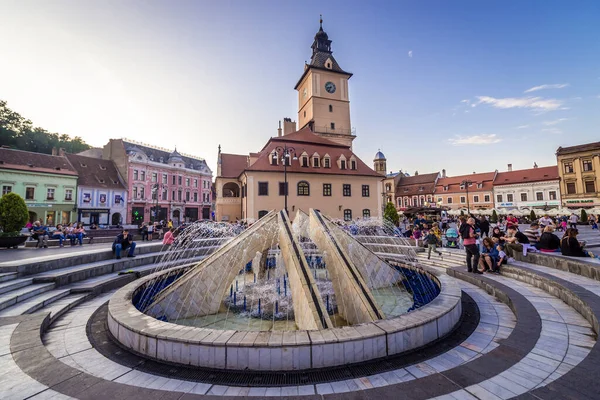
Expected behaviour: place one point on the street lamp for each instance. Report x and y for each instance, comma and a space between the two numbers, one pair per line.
155, 188
466, 184
286, 153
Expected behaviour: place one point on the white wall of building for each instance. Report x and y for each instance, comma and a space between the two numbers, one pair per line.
538, 195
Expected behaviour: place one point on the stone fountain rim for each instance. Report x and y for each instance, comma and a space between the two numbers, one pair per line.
141, 333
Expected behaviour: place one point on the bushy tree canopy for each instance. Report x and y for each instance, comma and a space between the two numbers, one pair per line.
584, 217
391, 214
494, 217
532, 216
13, 213
19, 133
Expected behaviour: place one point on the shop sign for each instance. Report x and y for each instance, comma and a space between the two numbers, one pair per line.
38, 205
581, 201
94, 210
542, 204
509, 204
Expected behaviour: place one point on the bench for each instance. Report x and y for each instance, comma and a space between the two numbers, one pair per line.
583, 266
54, 242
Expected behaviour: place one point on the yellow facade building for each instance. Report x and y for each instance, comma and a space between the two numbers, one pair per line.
313, 167
579, 170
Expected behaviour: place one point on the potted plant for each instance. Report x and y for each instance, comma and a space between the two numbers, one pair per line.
13, 217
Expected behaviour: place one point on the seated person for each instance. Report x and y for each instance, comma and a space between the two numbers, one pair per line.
416, 234
408, 232
532, 233
40, 233
124, 241
489, 255
497, 233
169, 236
549, 242
515, 241
59, 233
79, 233
570, 246
144, 231
502, 258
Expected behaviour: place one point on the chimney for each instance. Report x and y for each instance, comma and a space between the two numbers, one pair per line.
279, 130
54, 151
61, 152
443, 173
289, 126
416, 173
509, 167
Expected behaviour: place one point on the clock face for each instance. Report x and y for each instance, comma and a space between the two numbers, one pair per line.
330, 87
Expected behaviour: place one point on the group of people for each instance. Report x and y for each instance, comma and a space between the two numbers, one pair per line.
74, 232
147, 230
500, 247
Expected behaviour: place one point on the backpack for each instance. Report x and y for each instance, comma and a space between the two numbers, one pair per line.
464, 230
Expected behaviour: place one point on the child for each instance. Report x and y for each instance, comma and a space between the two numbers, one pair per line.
563, 225
431, 240
501, 258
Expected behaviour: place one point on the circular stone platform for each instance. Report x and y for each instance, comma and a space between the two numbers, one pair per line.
281, 350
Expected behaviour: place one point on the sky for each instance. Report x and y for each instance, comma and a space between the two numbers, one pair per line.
468, 86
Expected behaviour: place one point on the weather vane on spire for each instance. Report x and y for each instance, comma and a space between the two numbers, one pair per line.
321, 20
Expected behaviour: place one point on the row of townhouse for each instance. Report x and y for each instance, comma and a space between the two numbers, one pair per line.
123, 183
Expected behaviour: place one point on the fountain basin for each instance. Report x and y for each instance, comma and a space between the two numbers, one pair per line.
281, 350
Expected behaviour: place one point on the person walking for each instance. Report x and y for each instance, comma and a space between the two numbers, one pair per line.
484, 225
431, 240
573, 221
469, 237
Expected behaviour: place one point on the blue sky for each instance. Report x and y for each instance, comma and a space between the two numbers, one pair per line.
463, 85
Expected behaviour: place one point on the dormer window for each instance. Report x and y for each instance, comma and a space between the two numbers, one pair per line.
462, 187
342, 164
479, 185
102, 167
329, 65
445, 188
161, 159
327, 162
83, 165
305, 161
316, 162
353, 164
274, 158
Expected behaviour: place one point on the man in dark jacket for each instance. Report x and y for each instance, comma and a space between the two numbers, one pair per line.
484, 225
124, 241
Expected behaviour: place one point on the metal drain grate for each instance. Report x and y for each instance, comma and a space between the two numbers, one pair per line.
102, 340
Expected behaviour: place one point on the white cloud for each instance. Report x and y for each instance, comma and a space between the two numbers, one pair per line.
537, 103
554, 131
543, 87
554, 122
522, 126
410, 53
484, 138
466, 101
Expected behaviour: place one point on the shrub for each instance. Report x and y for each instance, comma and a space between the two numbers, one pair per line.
391, 214
494, 217
532, 216
584, 217
13, 213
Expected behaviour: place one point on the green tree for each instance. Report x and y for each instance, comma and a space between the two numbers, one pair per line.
584, 217
462, 213
391, 214
19, 133
494, 217
13, 213
532, 216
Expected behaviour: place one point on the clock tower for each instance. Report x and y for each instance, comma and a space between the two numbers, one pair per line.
323, 101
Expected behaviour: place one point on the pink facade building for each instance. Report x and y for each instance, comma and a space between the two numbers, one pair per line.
162, 184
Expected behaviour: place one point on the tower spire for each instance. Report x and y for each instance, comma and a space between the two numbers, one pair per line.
321, 21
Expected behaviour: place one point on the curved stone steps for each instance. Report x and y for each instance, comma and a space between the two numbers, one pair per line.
18, 295
35, 303
14, 284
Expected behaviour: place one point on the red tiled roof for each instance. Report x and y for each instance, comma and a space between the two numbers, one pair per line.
306, 141
232, 165
95, 172
453, 183
29, 161
415, 185
578, 148
527, 175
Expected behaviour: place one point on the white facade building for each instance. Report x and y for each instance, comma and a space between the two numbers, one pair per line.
528, 189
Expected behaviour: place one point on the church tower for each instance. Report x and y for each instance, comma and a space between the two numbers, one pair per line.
323, 101
380, 163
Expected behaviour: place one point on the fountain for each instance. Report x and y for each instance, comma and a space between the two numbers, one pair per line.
283, 296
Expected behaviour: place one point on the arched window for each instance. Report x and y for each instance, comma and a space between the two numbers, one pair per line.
262, 213
303, 188
366, 213
230, 189
330, 108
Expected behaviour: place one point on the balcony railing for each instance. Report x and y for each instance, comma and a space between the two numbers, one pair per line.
228, 200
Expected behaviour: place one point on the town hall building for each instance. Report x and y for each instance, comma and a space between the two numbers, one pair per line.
313, 167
